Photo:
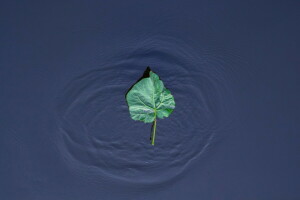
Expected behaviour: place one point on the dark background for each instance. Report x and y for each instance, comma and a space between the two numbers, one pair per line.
44, 45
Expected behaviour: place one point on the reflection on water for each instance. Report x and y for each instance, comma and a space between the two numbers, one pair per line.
98, 137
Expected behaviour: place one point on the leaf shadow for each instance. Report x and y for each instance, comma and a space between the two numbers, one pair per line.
146, 74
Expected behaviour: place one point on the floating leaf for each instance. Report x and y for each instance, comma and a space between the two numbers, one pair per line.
148, 100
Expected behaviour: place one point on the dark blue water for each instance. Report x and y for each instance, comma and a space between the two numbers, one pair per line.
232, 66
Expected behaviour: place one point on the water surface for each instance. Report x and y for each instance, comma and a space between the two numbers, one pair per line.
232, 67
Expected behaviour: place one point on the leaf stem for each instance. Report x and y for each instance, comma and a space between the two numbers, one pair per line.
153, 133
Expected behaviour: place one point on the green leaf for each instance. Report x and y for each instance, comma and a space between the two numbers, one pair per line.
148, 99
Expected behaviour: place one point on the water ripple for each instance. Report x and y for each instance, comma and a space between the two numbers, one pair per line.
99, 139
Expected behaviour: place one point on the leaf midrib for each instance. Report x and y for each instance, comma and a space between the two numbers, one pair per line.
144, 103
